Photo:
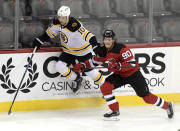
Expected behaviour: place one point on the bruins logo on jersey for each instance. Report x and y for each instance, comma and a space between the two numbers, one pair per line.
64, 37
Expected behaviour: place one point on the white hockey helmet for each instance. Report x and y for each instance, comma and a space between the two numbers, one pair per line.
64, 11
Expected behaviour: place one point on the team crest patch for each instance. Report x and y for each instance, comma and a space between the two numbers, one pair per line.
74, 24
64, 37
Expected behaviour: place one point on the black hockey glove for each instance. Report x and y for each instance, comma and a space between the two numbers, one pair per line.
100, 51
37, 43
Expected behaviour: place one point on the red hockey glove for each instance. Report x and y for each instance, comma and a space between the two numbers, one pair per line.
79, 68
114, 66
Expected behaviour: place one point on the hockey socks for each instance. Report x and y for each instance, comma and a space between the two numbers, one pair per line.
155, 100
106, 90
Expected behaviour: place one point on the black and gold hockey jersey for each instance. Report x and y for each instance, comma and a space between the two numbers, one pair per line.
74, 37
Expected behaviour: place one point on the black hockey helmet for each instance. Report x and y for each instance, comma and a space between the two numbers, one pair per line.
109, 33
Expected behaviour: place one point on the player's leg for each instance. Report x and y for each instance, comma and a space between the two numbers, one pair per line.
106, 89
159, 102
92, 73
63, 68
140, 86
96, 76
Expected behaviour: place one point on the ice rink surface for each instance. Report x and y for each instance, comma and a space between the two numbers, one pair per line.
140, 118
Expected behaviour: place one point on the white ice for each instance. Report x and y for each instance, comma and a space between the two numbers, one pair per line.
139, 118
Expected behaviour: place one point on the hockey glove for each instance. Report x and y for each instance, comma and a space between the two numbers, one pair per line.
79, 67
37, 43
114, 66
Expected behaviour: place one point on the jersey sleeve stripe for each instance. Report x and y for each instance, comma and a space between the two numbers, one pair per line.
68, 30
57, 25
132, 62
49, 34
53, 33
89, 35
85, 34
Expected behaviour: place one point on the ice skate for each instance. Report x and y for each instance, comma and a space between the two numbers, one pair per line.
170, 110
112, 116
78, 83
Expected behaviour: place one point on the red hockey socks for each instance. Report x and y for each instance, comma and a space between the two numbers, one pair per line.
155, 100
106, 90
112, 102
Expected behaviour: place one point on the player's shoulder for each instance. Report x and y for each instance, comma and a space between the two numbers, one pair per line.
56, 22
73, 24
118, 47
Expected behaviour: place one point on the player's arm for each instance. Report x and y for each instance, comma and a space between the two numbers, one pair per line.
127, 59
98, 50
91, 38
89, 64
125, 62
50, 33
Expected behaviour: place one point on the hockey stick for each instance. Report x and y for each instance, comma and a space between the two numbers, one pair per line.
122, 67
131, 62
9, 112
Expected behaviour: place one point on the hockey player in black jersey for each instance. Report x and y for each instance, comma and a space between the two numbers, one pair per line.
77, 43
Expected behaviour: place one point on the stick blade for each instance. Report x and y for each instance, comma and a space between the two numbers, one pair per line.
9, 112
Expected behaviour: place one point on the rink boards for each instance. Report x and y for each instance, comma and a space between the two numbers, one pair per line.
43, 88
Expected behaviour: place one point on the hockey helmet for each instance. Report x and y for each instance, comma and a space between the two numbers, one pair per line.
64, 11
109, 33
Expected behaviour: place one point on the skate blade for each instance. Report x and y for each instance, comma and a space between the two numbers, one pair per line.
80, 87
171, 117
173, 106
76, 93
114, 118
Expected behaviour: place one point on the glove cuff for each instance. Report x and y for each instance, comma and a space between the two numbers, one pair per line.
119, 65
83, 65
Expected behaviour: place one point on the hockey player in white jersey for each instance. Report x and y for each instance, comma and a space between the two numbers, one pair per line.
77, 43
